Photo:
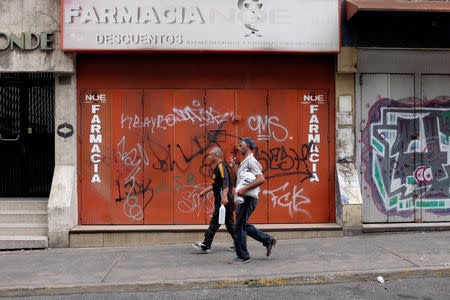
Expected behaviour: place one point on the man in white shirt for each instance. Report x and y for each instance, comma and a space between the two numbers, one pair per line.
250, 193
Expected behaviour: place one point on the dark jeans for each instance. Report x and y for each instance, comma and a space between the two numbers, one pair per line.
214, 224
243, 213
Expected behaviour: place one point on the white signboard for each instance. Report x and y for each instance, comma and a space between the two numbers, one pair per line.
243, 25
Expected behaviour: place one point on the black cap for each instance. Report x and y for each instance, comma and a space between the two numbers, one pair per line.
250, 142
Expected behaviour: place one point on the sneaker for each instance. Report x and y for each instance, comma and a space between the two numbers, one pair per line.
238, 261
269, 246
200, 247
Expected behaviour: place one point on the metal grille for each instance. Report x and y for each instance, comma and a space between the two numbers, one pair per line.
27, 133
9, 111
40, 109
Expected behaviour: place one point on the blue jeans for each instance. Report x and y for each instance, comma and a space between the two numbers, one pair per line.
242, 229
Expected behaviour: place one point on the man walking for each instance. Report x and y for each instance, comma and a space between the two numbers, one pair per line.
250, 193
222, 189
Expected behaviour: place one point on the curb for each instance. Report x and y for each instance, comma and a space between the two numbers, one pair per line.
255, 281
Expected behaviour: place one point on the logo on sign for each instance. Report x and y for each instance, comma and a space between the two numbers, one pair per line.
313, 98
26, 41
94, 97
252, 14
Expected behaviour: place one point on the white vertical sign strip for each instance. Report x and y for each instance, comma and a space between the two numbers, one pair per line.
255, 25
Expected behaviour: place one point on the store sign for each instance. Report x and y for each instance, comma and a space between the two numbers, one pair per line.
26, 41
243, 25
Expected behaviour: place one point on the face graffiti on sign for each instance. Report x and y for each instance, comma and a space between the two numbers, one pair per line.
406, 151
252, 14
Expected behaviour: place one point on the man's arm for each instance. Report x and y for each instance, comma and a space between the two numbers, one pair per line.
259, 180
233, 169
205, 191
225, 195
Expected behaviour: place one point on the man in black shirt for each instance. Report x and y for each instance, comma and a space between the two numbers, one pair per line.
222, 189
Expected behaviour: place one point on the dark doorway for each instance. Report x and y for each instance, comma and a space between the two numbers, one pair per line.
27, 147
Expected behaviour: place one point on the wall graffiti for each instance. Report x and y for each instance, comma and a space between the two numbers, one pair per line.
276, 162
406, 153
349, 188
155, 165
190, 202
194, 114
280, 161
268, 127
285, 162
136, 158
294, 200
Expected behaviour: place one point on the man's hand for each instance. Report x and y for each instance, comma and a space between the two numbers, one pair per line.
205, 192
225, 196
233, 169
231, 162
242, 191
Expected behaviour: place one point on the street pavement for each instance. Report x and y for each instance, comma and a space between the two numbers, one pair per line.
181, 267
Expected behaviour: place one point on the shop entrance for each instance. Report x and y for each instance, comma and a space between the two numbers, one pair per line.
405, 149
26, 134
143, 152
145, 122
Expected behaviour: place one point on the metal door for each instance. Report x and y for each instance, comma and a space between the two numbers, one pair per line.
404, 154
189, 145
95, 163
295, 159
26, 134
433, 173
251, 113
143, 153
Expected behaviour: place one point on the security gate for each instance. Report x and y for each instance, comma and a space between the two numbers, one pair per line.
142, 153
405, 150
26, 134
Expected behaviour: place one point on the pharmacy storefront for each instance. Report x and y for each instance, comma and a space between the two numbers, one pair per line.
160, 82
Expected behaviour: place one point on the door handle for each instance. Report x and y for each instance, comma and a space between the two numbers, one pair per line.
10, 140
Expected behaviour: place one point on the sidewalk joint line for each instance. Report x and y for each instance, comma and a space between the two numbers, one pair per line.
389, 251
112, 266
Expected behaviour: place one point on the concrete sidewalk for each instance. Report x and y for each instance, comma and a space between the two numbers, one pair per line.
168, 267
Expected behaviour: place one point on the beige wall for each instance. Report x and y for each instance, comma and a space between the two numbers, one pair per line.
345, 104
37, 16
18, 16
348, 213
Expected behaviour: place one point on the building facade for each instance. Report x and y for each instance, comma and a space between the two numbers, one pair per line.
402, 89
37, 89
141, 90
